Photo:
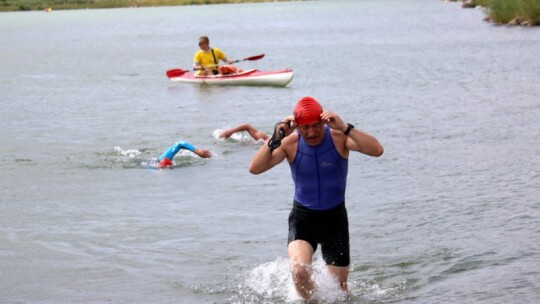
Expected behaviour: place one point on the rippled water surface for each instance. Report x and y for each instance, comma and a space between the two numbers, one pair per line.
449, 214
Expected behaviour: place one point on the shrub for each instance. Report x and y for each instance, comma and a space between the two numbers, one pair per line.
483, 3
530, 10
504, 11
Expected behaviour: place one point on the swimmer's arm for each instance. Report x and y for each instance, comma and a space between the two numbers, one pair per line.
227, 133
256, 134
364, 143
264, 160
357, 140
253, 132
203, 153
187, 146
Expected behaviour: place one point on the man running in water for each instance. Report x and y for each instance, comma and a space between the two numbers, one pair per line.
165, 160
317, 154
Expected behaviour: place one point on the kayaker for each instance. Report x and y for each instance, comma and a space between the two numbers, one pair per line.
254, 133
317, 154
165, 160
207, 59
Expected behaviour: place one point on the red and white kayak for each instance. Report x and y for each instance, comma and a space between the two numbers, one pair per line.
253, 77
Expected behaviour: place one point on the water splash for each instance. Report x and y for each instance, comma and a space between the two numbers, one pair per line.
129, 152
272, 282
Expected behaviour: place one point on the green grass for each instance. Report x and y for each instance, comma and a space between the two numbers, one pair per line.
504, 11
32, 5
530, 10
483, 3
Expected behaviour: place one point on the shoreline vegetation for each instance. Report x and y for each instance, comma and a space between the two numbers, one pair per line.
510, 12
49, 5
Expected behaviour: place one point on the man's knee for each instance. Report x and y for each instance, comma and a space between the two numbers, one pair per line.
300, 272
344, 285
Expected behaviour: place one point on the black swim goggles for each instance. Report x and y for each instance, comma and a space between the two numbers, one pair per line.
275, 140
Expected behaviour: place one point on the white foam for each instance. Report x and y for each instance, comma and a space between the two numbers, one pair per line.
129, 152
273, 280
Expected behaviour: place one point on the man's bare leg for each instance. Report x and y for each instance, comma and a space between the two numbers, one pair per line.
301, 255
342, 274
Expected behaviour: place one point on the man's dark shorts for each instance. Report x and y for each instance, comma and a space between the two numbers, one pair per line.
330, 228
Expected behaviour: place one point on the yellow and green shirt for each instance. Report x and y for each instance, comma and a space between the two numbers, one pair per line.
205, 59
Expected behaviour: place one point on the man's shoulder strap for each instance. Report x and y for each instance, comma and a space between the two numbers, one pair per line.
214, 55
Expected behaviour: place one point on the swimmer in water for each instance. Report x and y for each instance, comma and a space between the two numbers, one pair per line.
165, 160
254, 133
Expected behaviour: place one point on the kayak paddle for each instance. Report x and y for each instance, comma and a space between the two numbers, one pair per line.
179, 72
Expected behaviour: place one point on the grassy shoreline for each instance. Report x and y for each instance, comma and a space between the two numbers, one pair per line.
38, 5
512, 12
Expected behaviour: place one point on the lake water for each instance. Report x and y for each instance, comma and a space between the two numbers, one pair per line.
449, 214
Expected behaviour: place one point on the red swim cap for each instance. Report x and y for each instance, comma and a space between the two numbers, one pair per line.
307, 111
165, 163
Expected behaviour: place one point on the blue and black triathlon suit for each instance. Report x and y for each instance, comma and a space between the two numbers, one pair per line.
319, 215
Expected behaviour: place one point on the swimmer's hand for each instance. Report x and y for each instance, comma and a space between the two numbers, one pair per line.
225, 134
285, 127
203, 153
333, 121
